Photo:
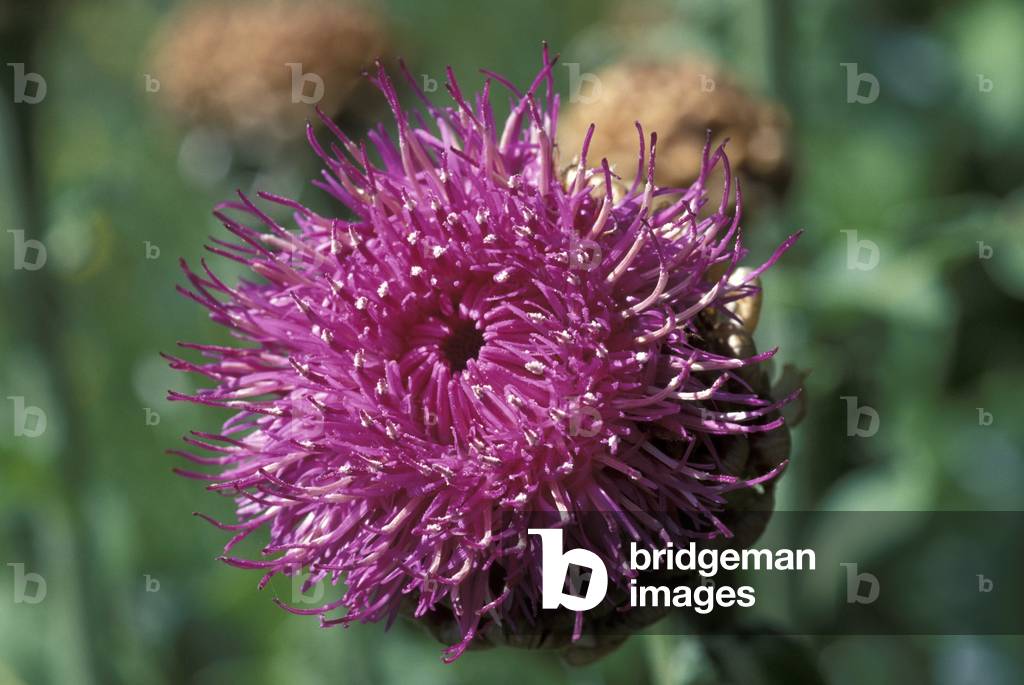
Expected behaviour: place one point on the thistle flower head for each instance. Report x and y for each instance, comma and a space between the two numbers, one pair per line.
479, 344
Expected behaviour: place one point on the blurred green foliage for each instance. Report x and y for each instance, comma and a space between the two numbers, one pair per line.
926, 172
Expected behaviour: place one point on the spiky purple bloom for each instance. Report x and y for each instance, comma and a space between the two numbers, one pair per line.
484, 343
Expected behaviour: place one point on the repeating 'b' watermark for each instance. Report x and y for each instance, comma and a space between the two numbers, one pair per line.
856, 248
580, 82
855, 580
584, 254
854, 79
583, 421
21, 80
24, 582
299, 81
297, 579
29, 421
22, 246
853, 418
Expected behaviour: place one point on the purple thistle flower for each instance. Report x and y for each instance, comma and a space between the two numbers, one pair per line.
484, 344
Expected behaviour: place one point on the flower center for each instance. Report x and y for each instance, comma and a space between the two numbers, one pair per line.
462, 343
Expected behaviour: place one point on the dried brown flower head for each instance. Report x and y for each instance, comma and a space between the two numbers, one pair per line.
679, 100
226, 64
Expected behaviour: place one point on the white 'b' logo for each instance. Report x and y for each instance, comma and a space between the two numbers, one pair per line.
555, 568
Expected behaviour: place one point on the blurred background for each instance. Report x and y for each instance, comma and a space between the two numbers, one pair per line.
891, 132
